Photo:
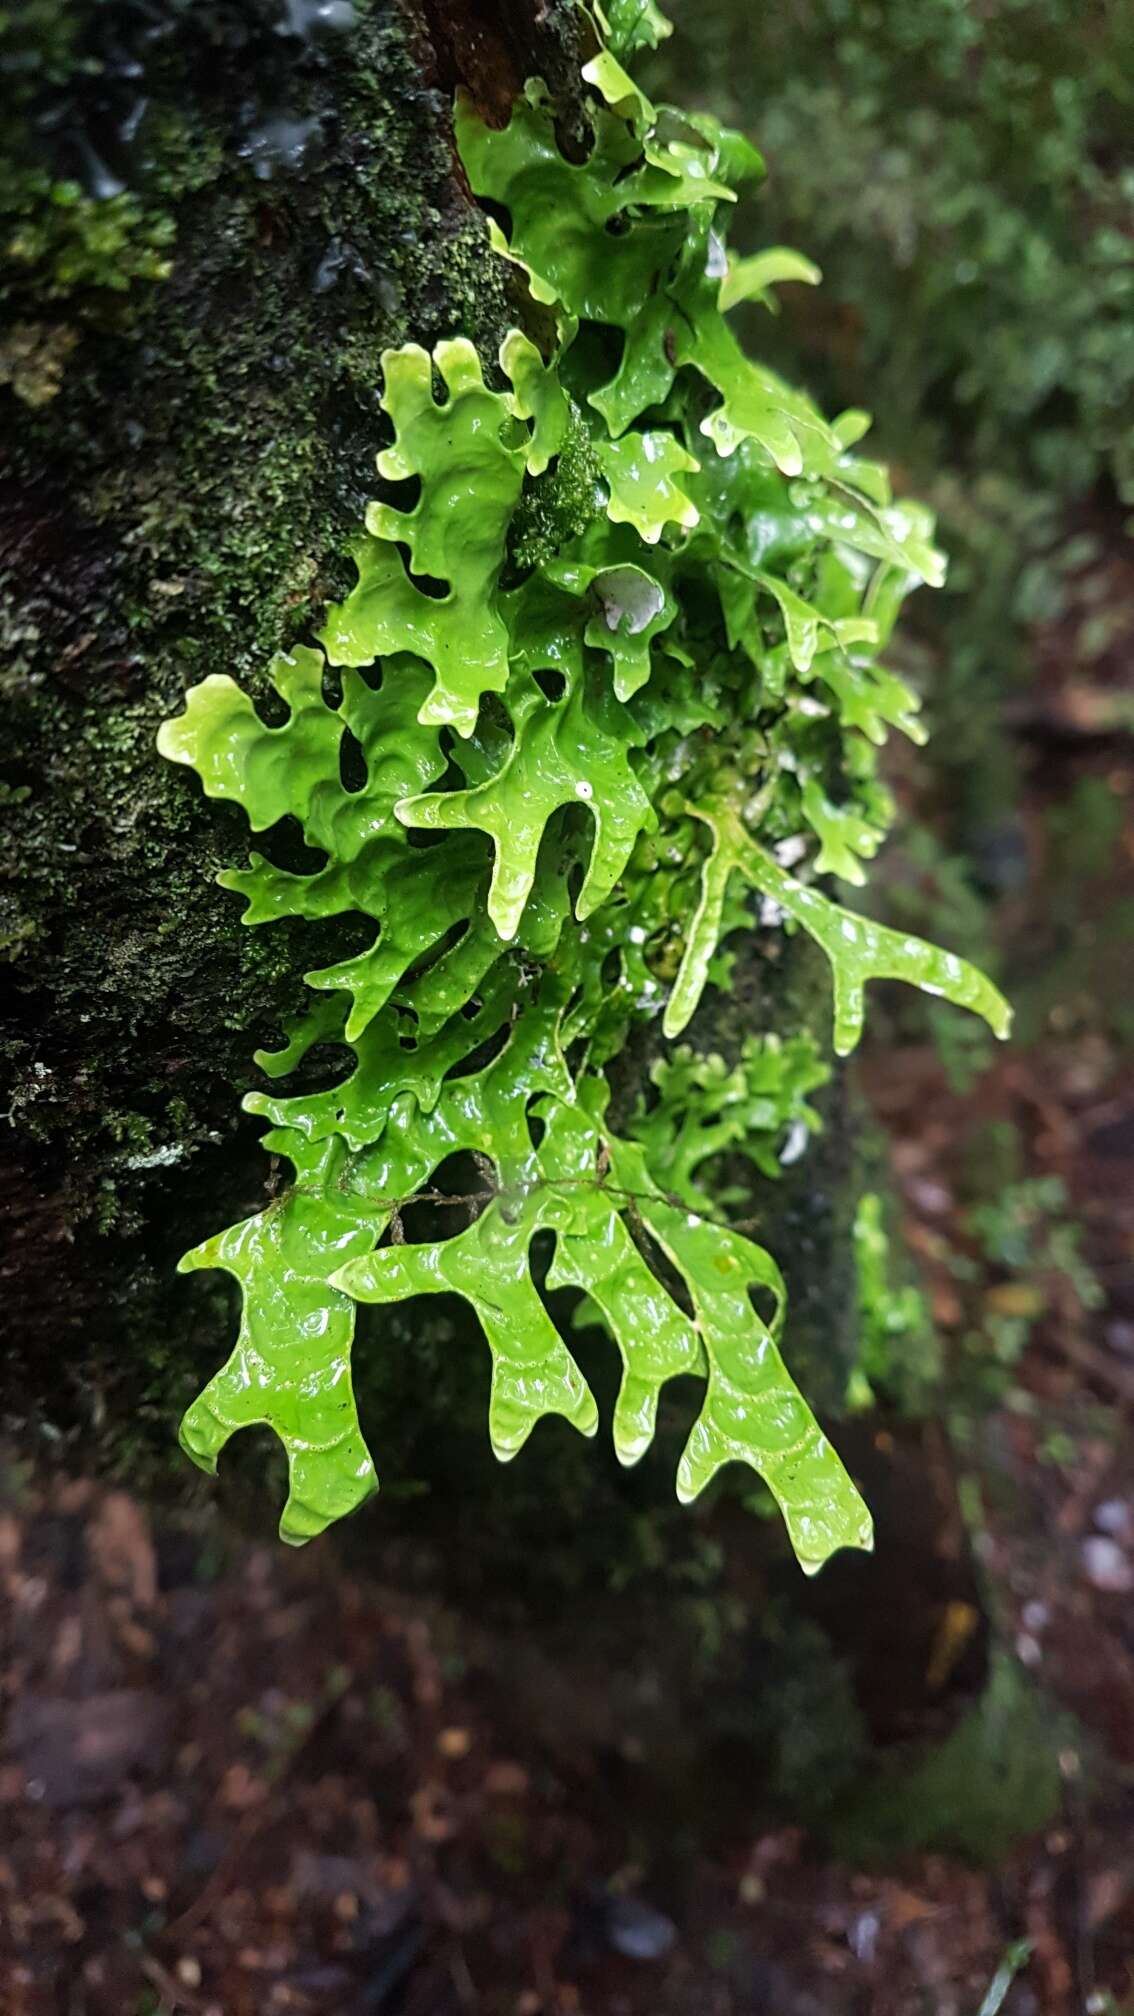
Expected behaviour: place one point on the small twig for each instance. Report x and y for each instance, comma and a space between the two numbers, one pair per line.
1083, 1944
1016, 1957
509, 1196
461, 1978
1088, 1487
1100, 1364
173, 1995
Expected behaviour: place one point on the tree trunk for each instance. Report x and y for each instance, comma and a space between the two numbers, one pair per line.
190, 428
268, 197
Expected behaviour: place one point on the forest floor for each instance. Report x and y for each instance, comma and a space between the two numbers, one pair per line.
263, 1789
235, 1784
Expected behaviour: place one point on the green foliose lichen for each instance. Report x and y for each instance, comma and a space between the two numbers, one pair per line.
702, 1110
565, 754
895, 1336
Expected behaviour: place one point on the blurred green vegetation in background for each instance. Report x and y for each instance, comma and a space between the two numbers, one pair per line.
964, 175
962, 171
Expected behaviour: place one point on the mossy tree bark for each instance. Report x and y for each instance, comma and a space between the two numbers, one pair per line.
258, 199
215, 219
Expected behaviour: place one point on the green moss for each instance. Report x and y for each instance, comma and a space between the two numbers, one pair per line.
33, 357
187, 457
558, 506
996, 1778
62, 243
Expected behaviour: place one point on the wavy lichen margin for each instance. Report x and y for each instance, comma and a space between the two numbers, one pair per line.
696, 658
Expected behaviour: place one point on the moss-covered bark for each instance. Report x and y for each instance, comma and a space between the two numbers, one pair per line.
214, 220
192, 354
